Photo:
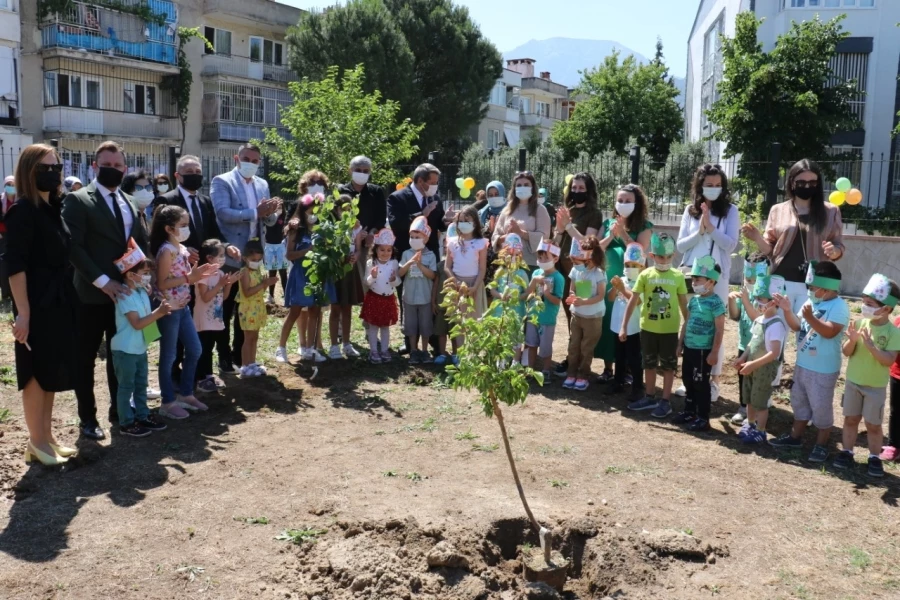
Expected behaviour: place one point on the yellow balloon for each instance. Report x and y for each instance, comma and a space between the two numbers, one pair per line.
854, 197
469, 183
837, 198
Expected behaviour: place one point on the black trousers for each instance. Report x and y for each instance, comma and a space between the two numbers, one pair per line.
282, 273
629, 358
93, 322
741, 388
230, 314
894, 422
695, 373
209, 341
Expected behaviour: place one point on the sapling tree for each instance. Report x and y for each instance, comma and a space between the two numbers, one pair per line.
486, 360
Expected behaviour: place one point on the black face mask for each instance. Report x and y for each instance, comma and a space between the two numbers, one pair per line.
578, 197
192, 182
804, 193
47, 181
109, 177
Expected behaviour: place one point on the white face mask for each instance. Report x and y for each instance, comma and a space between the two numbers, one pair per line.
542, 199
663, 266
254, 264
183, 234
316, 189
632, 273
868, 312
312, 219
496, 201
465, 227
146, 279
712, 193
416, 243
432, 190
624, 209
546, 266
699, 288
162, 187
220, 260
360, 178
248, 169
143, 198
523, 192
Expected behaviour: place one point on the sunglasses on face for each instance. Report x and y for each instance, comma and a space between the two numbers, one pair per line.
42, 168
317, 182
803, 184
148, 187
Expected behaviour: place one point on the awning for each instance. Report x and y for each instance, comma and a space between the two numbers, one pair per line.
512, 135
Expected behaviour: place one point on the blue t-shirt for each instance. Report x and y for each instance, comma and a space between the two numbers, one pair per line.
814, 352
548, 315
128, 339
700, 330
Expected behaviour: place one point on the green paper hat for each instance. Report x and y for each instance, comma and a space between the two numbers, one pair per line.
753, 270
826, 283
768, 285
705, 266
662, 245
879, 288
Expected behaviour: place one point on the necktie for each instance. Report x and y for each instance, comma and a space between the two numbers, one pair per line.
195, 215
118, 213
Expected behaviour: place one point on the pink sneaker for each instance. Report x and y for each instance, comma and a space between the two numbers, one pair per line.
889, 453
190, 403
173, 411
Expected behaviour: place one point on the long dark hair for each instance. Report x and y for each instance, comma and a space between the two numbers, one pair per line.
718, 208
590, 187
818, 213
635, 222
512, 201
166, 216
26, 173
130, 181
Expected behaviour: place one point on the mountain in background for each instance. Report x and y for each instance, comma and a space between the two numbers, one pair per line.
564, 57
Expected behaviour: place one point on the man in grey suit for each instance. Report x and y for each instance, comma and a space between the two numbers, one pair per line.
102, 219
243, 208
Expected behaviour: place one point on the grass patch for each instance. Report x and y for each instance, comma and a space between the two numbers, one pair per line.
558, 483
190, 572
252, 520
859, 558
5, 415
414, 477
299, 536
467, 435
389, 473
547, 450
630, 470
485, 447
7, 375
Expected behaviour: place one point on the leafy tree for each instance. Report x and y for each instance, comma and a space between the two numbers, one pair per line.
789, 95
333, 120
428, 55
625, 101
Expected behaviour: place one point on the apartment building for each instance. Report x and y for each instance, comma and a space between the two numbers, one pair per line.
542, 102
870, 56
500, 125
12, 137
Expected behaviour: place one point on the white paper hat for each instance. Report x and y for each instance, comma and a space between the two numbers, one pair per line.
420, 224
513, 241
134, 256
385, 237
879, 288
550, 247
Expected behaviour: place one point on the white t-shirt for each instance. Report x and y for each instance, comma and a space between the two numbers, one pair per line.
775, 333
618, 313
593, 278
465, 255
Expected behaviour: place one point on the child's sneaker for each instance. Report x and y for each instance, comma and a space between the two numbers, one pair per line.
259, 369
248, 371
414, 357
699, 425
270, 299
561, 368
152, 423
207, 386
386, 356
740, 416
569, 383
581, 384
663, 409
350, 351
744, 431
604, 377
755, 436
374, 357
786, 441
316, 356
889, 453
645, 403
819, 454
426, 357
684, 418
441, 360
843, 461
136, 430
876, 469
190, 402
548, 376
153, 394
335, 353
173, 411
680, 391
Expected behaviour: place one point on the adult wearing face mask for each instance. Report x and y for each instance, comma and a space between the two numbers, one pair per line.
524, 216
799, 230
102, 219
372, 204
139, 186
496, 200
7, 198
243, 207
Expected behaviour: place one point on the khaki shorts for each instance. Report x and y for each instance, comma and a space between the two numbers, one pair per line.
757, 387
660, 350
864, 400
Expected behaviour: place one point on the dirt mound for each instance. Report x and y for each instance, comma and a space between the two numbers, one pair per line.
400, 559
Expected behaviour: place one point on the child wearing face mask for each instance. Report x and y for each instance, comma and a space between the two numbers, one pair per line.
136, 329
699, 343
820, 322
466, 260
548, 283
741, 309
209, 319
417, 268
276, 252
761, 361
252, 306
872, 344
588, 306
379, 307
628, 351
512, 281
661, 292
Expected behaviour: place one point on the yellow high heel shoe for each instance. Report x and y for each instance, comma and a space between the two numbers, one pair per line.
64, 451
32, 454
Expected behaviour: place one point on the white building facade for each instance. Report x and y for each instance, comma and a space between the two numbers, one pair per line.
12, 138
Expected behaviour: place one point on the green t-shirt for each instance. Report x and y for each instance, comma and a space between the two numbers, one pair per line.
700, 331
547, 316
862, 368
659, 292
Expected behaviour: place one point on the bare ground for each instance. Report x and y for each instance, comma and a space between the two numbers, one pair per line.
373, 466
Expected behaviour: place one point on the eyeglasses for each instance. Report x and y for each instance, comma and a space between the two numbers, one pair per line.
801, 184
42, 168
317, 182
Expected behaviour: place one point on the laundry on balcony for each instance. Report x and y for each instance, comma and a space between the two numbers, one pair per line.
121, 26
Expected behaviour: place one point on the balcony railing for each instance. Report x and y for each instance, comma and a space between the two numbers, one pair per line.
243, 66
237, 132
83, 38
85, 120
537, 83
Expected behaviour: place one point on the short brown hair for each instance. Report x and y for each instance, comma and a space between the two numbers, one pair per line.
26, 182
109, 146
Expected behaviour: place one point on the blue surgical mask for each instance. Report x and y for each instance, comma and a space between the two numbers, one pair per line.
10, 190
580, 268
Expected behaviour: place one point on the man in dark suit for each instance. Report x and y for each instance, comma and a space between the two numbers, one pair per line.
102, 219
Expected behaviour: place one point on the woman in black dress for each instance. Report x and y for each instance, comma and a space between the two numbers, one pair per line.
44, 299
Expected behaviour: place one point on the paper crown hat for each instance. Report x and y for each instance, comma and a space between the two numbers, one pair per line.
819, 281
879, 288
133, 256
768, 285
705, 266
662, 244
575, 250
385, 237
513, 242
550, 247
420, 224
634, 253
753, 270
451, 231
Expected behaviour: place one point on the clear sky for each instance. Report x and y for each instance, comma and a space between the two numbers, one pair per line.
632, 23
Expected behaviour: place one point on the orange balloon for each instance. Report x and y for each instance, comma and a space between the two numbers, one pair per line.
854, 197
399, 186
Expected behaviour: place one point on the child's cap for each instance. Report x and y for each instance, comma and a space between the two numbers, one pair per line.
634, 253
550, 247
385, 237
768, 285
451, 231
820, 281
753, 270
879, 288
420, 224
133, 256
662, 245
705, 266
513, 242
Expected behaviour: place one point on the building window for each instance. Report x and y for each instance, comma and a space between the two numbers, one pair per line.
50, 95
92, 94
526, 106
712, 71
827, 4
4, 4
493, 141
846, 66
542, 109
273, 52
498, 94
140, 99
220, 40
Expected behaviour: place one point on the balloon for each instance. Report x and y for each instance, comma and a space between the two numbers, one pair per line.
854, 197
469, 183
460, 182
843, 184
464, 193
400, 186
837, 198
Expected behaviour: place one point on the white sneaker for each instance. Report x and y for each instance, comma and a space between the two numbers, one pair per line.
281, 355
305, 353
270, 299
258, 369
739, 417
335, 353
153, 394
248, 371
350, 351
316, 356
681, 391
714, 391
